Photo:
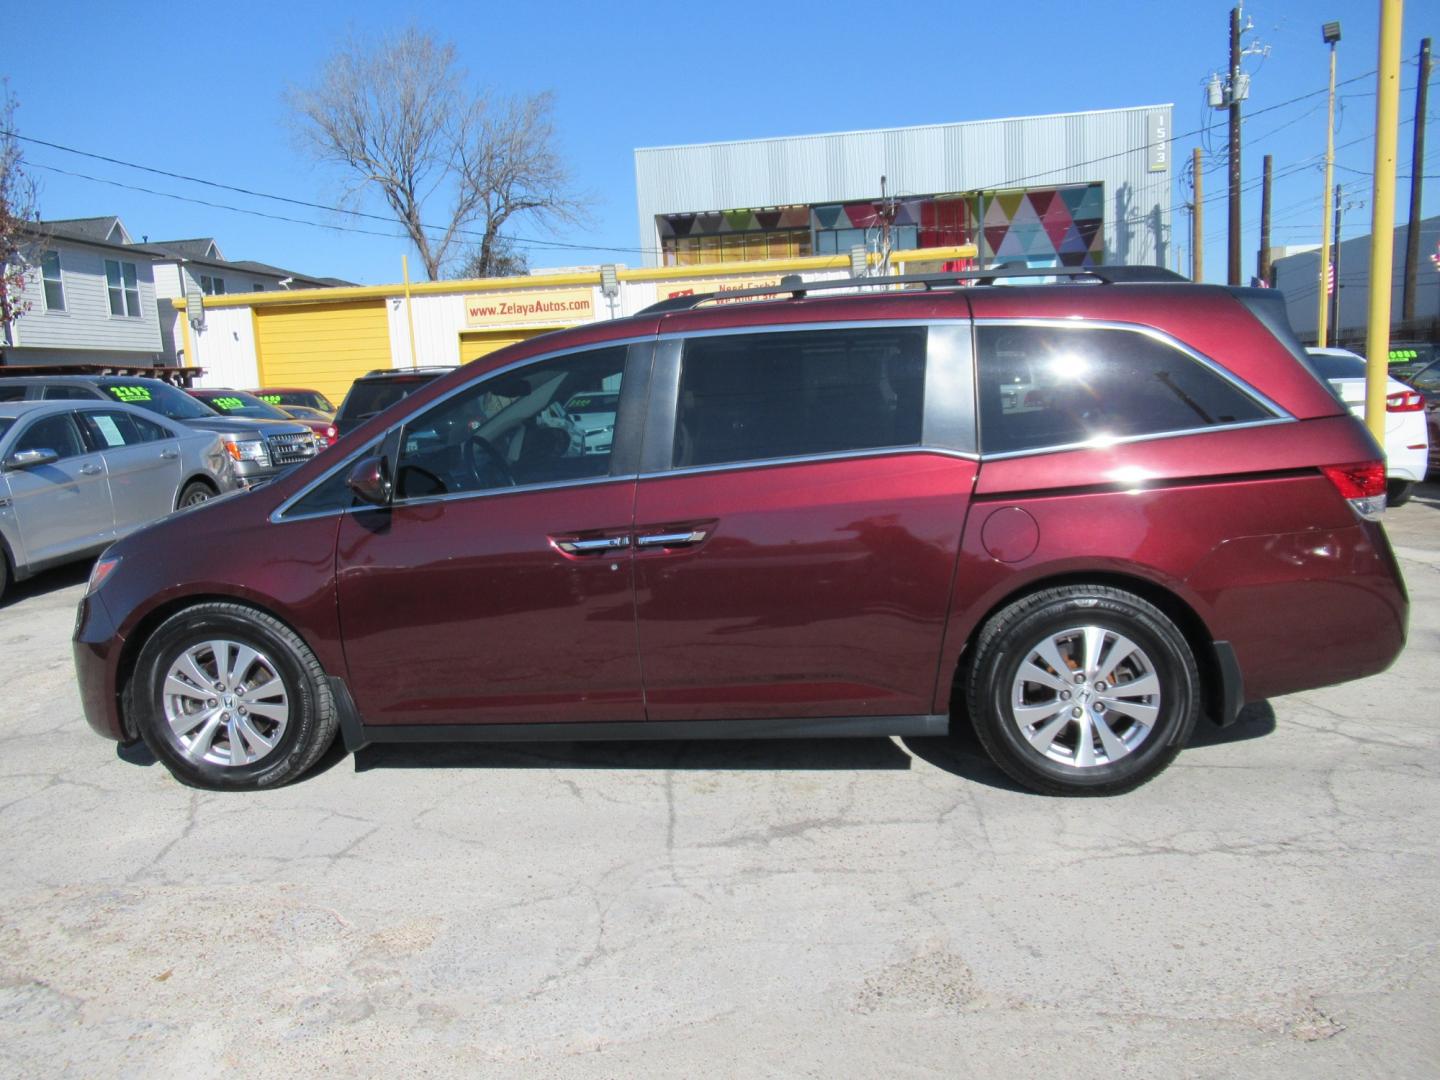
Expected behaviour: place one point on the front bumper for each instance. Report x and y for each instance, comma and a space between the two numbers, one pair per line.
97, 646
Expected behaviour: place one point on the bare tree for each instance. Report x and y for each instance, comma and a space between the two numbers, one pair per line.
452, 164
18, 235
501, 259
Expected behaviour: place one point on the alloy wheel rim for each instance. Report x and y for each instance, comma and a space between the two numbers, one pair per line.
1085, 696
197, 497
226, 703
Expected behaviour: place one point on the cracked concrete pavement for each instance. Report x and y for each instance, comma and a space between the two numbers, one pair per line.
1266, 908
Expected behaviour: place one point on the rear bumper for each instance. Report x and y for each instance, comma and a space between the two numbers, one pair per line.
1310, 609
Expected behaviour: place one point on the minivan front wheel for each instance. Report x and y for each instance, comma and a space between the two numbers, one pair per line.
1083, 690
230, 698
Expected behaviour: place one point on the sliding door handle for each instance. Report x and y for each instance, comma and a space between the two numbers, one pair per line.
582, 547
671, 539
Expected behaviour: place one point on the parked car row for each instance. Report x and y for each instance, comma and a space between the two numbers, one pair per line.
77, 475
1423, 374
91, 458
1407, 445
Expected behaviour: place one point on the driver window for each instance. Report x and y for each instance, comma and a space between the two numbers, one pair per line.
57, 433
551, 422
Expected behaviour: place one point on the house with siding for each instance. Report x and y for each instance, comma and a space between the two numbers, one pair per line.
96, 296
89, 298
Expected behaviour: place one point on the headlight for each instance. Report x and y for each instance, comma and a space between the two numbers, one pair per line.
248, 450
104, 567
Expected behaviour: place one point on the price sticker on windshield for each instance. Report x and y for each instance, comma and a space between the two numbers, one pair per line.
270, 399
129, 393
229, 404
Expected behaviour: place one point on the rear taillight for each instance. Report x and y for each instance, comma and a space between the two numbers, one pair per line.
1361, 484
331, 434
1404, 401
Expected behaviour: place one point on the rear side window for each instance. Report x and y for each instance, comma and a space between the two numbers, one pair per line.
11, 392
749, 397
1044, 386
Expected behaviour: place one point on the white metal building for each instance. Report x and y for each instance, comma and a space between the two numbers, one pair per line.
1070, 189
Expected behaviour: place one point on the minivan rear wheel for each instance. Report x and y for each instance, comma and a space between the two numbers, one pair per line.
230, 698
1082, 690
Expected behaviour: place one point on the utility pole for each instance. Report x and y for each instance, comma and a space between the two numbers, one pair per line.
1197, 227
1382, 216
1417, 180
1330, 287
1262, 265
1233, 272
1330, 32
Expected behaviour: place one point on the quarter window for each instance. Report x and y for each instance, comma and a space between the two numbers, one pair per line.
1055, 386
552, 422
122, 283
54, 283
750, 397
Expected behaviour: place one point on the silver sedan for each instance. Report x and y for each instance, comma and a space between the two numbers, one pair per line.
76, 475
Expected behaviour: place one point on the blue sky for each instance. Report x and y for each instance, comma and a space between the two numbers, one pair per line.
198, 91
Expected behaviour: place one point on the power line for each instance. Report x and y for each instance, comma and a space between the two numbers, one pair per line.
520, 240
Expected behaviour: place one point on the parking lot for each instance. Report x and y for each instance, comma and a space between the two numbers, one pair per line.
1267, 907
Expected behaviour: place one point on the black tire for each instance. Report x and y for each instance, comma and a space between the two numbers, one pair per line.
312, 717
195, 493
1398, 492
4, 573
1011, 636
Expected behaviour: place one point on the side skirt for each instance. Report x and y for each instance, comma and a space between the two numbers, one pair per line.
358, 734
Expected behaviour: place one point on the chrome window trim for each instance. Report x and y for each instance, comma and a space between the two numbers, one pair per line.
1120, 440
277, 515
842, 324
1151, 332
489, 493
807, 459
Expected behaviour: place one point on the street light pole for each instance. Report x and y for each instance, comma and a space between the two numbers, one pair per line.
1331, 34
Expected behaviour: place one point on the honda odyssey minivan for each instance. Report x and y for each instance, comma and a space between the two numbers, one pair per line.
823, 515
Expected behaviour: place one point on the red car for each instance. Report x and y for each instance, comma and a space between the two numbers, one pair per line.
814, 516
294, 395
243, 403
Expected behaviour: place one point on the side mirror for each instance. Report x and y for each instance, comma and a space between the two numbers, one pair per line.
31, 459
370, 480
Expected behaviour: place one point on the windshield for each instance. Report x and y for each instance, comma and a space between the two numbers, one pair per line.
159, 397
311, 399
239, 403
368, 398
1332, 366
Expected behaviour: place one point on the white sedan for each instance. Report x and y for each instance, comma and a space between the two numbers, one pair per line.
1407, 442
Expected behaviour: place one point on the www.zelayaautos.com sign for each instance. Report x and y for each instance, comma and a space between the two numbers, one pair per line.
530, 307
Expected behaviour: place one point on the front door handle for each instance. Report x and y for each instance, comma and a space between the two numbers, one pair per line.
169, 455
90, 470
671, 539
582, 547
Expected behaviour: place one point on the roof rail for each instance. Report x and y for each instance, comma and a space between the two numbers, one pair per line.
792, 284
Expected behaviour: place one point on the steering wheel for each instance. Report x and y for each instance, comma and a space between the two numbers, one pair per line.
483, 462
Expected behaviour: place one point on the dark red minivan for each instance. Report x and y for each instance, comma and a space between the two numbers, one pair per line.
1083, 513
